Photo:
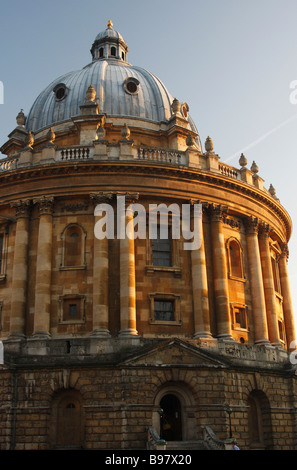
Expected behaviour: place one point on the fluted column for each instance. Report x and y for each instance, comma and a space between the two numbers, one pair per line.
20, 270
223, 317
127, 271
199, 281
268, 282
287, 300
100, 270
256, 282
43, 268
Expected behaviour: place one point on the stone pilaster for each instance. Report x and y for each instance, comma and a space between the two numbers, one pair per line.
287, 300
223, 317
43, 268
268, 282
199, 283
20, 270
256, 282
100, 274
127, 271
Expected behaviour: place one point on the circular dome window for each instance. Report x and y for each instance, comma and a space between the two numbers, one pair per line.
131, 85
60, 91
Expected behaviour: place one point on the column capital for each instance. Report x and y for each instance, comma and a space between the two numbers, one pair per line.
285, 251
252, 225
130, 198
22, 207
45, 204
102, 197
264, 230
217, 212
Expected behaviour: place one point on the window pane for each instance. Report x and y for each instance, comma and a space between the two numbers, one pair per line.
72, 310
161, 250
164, 310
235, 259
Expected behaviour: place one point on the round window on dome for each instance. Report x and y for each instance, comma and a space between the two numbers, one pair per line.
131, 85
60, 91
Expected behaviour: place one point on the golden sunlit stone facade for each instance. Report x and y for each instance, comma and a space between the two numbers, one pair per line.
138, 343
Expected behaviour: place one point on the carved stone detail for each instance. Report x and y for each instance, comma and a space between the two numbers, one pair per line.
22, 207
45, 204
252, 225
218, 212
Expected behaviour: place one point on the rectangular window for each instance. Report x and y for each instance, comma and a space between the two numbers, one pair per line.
164, 310
239, 316
281, 330
275, 270
72, 309
161, 250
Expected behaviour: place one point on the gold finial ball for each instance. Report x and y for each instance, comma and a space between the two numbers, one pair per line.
109, 24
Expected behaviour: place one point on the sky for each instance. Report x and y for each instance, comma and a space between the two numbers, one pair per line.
232, 61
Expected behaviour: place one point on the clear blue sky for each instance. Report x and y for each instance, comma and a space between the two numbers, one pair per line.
232, 61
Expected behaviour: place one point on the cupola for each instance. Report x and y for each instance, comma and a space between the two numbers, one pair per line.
109, 44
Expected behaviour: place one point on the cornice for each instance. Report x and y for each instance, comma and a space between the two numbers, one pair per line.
148, 169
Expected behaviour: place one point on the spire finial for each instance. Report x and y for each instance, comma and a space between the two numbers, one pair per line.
109, 24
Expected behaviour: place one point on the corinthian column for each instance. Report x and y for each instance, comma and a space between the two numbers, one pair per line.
199, 282
256, 282
268, 282
287, 300
127, 270
43, 268
223, 317
100, 268
20, 270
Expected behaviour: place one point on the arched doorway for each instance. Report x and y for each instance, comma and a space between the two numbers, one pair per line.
177, 402
170, 418
259, 421
67, 420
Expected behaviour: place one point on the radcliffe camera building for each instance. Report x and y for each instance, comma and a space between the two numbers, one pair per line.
123, 343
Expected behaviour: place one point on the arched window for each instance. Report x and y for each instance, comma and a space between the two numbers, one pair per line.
235, 258
101, 52
113, 51
73, 247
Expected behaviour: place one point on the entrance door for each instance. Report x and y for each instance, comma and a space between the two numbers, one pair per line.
170, 421
69, 423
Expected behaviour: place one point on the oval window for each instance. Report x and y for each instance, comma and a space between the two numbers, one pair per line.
60, 91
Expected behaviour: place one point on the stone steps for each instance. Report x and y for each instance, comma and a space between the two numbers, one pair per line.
186, 445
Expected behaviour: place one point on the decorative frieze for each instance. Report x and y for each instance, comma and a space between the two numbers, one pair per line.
75, 207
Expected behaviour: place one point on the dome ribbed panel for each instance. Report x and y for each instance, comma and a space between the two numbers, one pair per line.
152, 102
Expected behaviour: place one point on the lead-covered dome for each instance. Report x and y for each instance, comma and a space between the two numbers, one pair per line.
122, 90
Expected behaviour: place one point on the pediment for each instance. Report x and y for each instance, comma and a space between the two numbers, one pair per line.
174, 352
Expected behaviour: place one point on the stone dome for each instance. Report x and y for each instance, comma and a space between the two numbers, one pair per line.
122, 90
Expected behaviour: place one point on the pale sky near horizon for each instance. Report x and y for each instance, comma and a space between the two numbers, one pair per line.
232, 61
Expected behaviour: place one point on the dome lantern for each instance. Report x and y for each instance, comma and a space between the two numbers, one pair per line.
109, 44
